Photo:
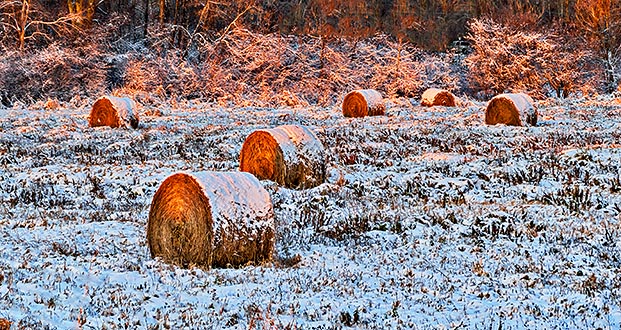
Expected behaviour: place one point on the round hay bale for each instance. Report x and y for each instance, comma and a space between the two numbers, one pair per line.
217, 219
436, 96
511, 109
290, 155
5, 324
114, 112
363, 102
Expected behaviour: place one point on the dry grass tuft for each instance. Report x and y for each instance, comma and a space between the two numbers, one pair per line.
511, 109
51, 104
289, 155
114, 112
434, 96
211, 219
362, 103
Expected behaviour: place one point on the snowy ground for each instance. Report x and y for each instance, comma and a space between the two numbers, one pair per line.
430, 220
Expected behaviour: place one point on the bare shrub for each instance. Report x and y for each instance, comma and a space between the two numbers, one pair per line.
54, 72
601, 21
505, 59
23, 20
238, 67
169, 75
246, 68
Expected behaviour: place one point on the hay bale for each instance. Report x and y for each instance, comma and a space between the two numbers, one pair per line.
217, 219
364, 102
511, 109
436, 96
5, 324
114, 112
290, 155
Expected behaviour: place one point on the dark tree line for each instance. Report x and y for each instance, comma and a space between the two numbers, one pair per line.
266, 49
431, 24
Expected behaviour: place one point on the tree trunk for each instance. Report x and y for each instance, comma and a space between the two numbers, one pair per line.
84, 10
90, 12
611, 81
23, 20
399, 49
162, 11
146, 19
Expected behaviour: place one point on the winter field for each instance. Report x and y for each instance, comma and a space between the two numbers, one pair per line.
429, 220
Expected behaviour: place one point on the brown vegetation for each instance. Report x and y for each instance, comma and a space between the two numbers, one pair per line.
5, 324
308, 52
434, 96
114, 112
290, 155
511, 109
506, 58
211, 219
362, 103
601, 21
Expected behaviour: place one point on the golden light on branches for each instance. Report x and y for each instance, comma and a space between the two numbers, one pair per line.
27, 22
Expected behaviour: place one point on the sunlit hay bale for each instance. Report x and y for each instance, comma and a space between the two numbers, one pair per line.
218, 219
290, 155
511, 109
436, 96
5, 324
363, 102
114, 112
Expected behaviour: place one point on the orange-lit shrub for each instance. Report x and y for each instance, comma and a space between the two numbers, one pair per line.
506, 59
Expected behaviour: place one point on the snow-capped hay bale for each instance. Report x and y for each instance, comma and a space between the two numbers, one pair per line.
511, 109
114, 112
436, 96
364, 102
214, 219
289, 155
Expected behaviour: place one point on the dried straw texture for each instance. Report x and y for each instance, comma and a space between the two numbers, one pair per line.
114, 112
5, 324
218, 219
290, 155
511, 109
364, 102
435, 96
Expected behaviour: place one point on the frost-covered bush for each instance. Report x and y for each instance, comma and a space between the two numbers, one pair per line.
247, 68
506, 59
55, 71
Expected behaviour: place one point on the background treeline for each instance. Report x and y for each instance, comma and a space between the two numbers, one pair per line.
428, 24
546, 46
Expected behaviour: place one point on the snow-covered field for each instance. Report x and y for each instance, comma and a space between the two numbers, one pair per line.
429, 220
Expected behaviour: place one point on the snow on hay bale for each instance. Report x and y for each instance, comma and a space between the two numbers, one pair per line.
289, 155
114, 112
364, 102
511, 109
435, 96
214, 219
